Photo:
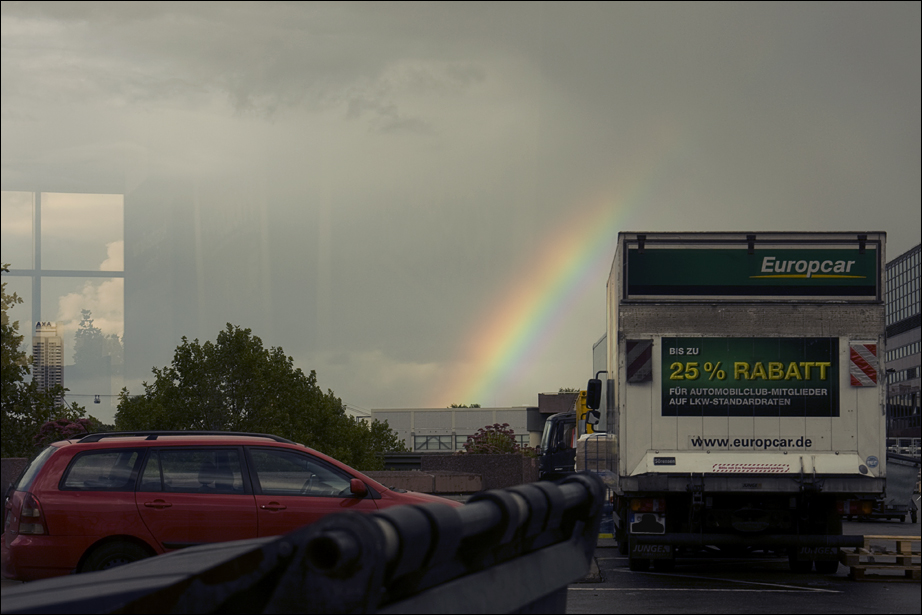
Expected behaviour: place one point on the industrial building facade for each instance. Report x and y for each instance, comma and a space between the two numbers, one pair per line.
445, 430
904, 334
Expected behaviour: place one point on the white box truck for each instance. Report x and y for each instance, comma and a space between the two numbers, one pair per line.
742, 382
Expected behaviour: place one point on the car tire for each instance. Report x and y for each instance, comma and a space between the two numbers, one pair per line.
112, 554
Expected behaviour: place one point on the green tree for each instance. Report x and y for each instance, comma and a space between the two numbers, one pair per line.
464, 406
89, 342
25, 409
236, 384
95, 354
14, 361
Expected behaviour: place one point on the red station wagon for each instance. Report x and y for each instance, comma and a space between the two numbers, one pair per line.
113, 498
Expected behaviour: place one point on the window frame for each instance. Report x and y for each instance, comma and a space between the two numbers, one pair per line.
257, 485
131, 484
241, 456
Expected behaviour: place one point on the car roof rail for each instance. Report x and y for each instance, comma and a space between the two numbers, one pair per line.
153, 435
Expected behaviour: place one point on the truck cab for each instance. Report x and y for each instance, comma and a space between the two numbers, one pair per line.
557, 456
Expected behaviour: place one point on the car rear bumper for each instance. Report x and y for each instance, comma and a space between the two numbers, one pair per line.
28, 558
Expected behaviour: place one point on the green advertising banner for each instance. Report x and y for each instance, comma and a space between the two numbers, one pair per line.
729, 272
750, 376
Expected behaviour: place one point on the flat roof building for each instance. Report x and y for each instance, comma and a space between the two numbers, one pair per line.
445, 430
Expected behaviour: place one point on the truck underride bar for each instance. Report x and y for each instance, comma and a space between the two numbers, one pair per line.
756, 540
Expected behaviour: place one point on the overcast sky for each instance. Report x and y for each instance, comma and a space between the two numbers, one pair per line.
436, 188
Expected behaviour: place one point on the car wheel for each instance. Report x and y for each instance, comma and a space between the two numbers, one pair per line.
112, 554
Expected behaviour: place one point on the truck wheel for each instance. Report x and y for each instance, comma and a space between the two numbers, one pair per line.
621, 535
827, 566
637, 564
113, 554
798, 566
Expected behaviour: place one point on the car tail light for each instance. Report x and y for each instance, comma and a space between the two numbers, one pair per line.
854, 507
31, 518
648, 505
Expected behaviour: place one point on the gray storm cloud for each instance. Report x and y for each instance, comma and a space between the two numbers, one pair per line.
363, 184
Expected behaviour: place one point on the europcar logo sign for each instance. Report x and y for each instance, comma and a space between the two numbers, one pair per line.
706, 273
776, 268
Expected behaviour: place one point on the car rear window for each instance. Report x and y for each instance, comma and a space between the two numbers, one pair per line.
31, 471
105, 470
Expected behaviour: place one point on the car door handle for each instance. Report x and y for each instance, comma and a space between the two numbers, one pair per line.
157, 504
273, 506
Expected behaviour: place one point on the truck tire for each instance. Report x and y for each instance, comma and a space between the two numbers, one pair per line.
798, 566
826, 566
621, 535
638, 564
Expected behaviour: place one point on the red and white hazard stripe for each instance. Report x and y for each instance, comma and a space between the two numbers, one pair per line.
639, 360
863, 366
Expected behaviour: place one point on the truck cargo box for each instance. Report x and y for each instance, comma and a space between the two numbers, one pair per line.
743, 386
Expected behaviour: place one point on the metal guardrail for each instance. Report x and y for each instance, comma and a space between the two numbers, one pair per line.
507, 550
403, 461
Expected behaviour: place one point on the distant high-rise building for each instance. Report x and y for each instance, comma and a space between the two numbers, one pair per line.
47, 356
904, 334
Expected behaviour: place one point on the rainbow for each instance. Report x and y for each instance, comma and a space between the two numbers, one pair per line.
533, 311
506, 350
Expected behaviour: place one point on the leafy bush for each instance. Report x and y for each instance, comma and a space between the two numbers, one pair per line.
496, 439
65, 429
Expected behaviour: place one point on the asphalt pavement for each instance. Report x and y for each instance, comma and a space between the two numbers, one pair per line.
710, 583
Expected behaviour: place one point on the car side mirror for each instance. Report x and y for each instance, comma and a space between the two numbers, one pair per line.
357, 487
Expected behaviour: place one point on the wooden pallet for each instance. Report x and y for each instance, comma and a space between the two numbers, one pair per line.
883, 561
